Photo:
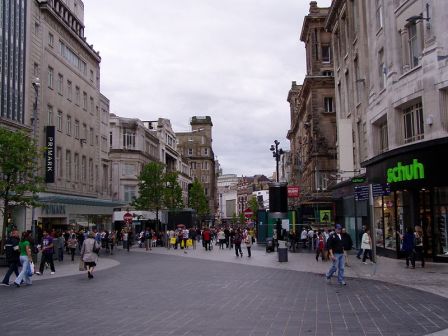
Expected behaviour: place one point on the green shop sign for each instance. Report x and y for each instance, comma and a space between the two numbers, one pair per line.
401, 173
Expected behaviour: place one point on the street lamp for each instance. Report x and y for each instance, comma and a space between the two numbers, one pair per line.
276, 153
36, 85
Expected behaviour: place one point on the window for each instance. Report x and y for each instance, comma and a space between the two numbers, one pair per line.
415, 50
379, 14
76, 129
50, 115
84, 132
326, 54
327, 73
76, 167
69, 90
68, 165
129, 193
205, 151
59, 162
92, 105
381, 70
69, 125
91, 136
84, 100
83, 169
358, 81
77, 95
59, 121
91, 172
328, 104
36, 70
73, 59
128, 138
60, 84
36, 28
204, 165
413, 123
91, 76
50, 40
384, 139
50, 77
190, 151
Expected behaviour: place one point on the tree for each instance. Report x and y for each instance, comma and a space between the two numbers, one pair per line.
197, 199
172, 196
151, 188
253, 205
19, 179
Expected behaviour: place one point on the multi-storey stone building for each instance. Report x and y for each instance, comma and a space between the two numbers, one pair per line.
313, 121
197, 147
50, 50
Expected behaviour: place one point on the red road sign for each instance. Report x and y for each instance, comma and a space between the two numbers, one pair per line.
293, 191
127, 217
248, 213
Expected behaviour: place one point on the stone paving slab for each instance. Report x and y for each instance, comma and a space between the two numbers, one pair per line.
166, 292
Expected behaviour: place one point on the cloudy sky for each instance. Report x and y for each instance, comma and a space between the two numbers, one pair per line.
233, 60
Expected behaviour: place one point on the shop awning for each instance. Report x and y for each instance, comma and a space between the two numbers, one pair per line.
65, 199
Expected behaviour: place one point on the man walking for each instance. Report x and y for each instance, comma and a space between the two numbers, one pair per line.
336, 253
47, 253
12, 253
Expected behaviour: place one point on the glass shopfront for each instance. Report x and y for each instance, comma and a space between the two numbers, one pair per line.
440, 222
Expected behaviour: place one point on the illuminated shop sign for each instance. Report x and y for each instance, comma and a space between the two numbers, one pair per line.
402, 173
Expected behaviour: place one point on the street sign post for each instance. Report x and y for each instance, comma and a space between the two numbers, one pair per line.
248, 213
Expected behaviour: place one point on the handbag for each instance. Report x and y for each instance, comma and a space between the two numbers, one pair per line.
82, 266
95, 249
30, 269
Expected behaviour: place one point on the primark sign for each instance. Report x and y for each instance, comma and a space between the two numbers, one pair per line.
49, 154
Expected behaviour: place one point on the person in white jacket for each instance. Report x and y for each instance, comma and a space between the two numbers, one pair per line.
366, 245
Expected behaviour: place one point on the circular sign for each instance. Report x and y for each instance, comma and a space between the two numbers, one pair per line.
248, 213
127, 217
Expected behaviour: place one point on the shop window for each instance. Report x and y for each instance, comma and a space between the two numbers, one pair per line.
441, 222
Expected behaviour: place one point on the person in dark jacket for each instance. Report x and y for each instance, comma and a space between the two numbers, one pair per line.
12, 256
348, 244
408, 246
336, 253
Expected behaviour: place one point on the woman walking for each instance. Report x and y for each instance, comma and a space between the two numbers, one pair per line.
248, 243
72, 244
366, 245
25, 259
89, 254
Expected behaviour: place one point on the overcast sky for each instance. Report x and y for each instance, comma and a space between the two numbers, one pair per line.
233, 60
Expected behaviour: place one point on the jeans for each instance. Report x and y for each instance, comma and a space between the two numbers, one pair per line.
23, 274
238, 248
72, 252
367, 252
248, 251
338, 263
46, 257
13, 268
60, 254
419, 254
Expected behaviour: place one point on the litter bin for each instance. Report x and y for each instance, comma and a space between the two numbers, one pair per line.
282, 254
269, 245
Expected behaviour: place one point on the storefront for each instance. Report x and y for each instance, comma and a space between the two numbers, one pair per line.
418, 181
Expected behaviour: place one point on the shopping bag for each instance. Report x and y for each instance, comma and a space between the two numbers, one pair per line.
30, 269
81, 265
182, 244
173, 241
189, 242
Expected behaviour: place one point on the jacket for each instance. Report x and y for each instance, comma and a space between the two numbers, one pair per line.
87, 253
365, 242
335, 244
408, 242
12, 250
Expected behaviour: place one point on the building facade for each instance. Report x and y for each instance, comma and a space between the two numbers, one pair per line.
197, 147
313, 125
407, 121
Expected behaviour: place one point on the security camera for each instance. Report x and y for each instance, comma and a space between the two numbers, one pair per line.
36, 82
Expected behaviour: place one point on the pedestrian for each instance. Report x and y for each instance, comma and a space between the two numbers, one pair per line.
304, 237
237, 239
221, 239
408, 245
148, 239
72, 244
47, 253
348, 244
248, 243
336, 254
192, 235
12, 253
89, 254
206, 236
358, 255
125, 240
25, 259
59, 243
232, 236
419, 253
320, 246
112, 241
366, 245
185, 235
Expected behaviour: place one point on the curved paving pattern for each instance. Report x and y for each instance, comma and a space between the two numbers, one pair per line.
150, 294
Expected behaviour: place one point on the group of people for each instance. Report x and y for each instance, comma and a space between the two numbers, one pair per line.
22, 251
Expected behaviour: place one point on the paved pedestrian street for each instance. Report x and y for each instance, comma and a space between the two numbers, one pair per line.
170, 293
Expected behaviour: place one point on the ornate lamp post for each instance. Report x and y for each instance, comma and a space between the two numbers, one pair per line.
276, 153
